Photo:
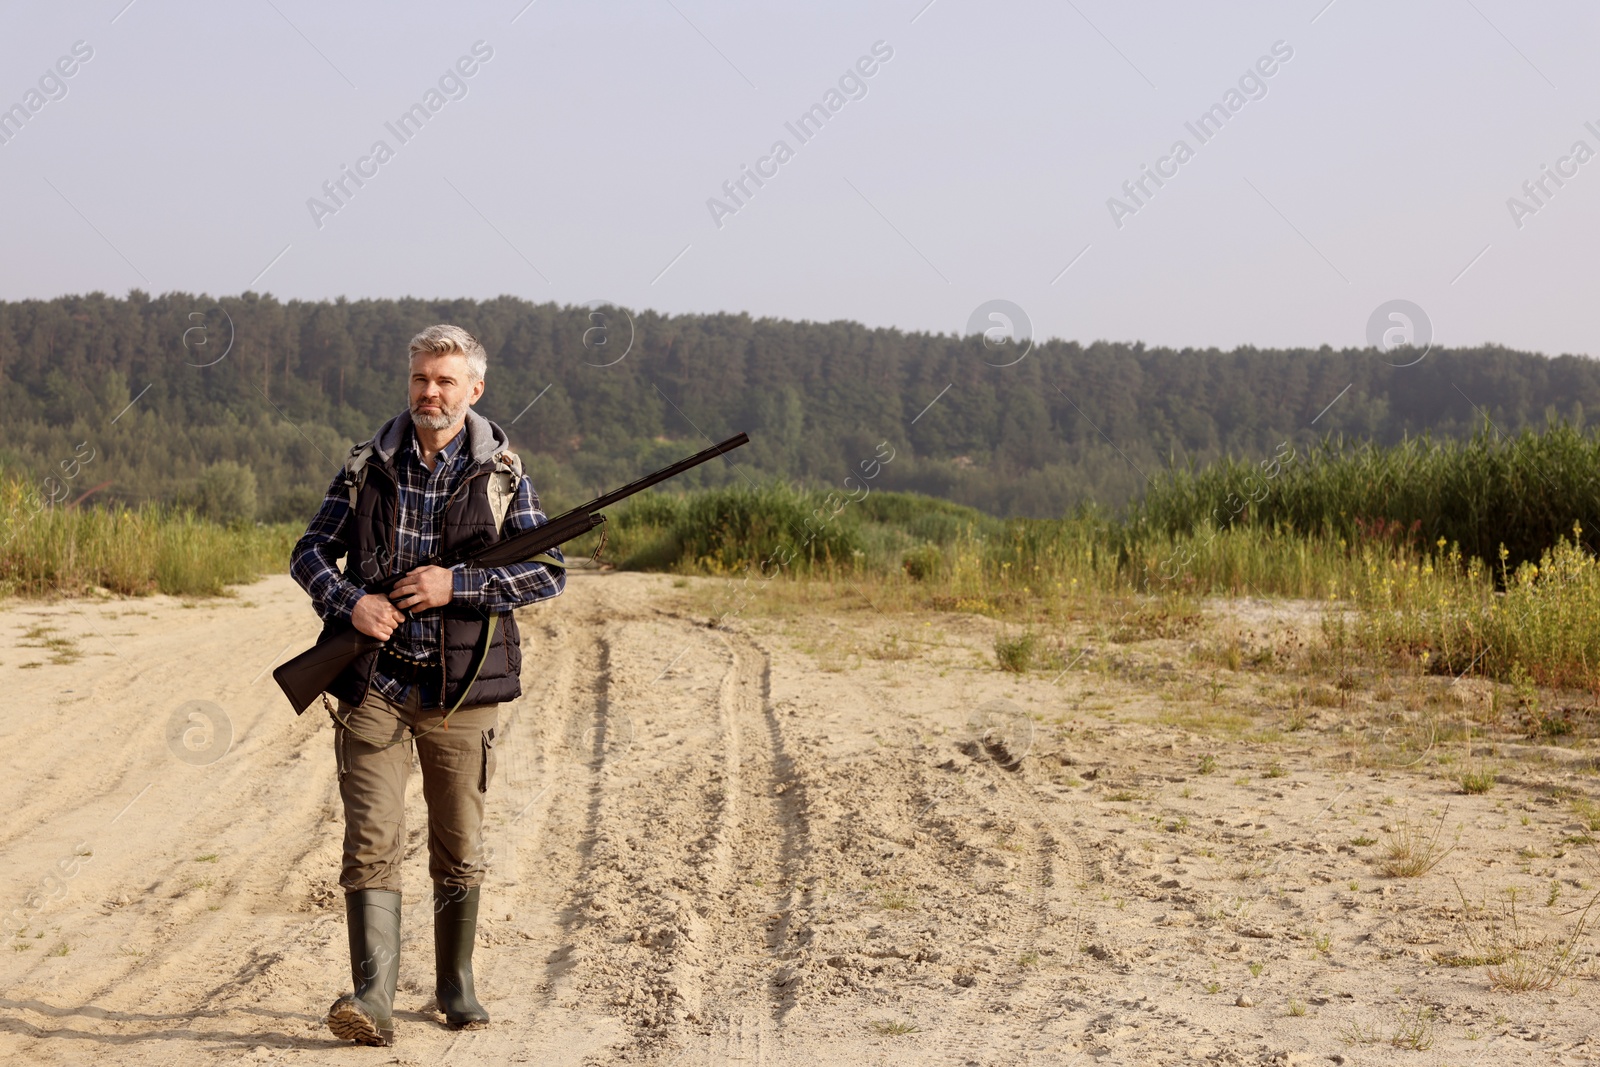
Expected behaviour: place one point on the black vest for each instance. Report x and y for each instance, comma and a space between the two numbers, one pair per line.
468, 524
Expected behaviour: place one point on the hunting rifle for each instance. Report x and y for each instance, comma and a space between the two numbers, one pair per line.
309, 674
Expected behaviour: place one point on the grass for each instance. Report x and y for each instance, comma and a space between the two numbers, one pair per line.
896, 900
1478, 780
62, 649
1448, 558
1492, 489
1516, 958
1411, 851
1415, 1032
1587, 812
895, 1027
133, 551
1443, 575
1355, 1034
1016, 654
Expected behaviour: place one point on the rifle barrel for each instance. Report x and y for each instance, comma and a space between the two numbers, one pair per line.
640, 484
581, 519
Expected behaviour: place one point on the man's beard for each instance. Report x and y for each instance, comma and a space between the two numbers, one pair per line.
444, 419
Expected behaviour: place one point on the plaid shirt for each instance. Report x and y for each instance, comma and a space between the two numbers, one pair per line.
422, 496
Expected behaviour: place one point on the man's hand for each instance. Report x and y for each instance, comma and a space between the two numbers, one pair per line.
375, 616
424, 587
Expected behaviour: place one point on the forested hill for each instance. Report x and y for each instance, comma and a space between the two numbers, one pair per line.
1068, 422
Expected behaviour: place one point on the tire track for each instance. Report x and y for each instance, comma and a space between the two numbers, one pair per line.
770, 838
657, 849
557, 867
532, 768
678, 918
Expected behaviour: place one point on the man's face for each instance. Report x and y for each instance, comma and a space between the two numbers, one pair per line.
441, 390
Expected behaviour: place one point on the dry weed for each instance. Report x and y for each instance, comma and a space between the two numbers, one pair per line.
1412, 851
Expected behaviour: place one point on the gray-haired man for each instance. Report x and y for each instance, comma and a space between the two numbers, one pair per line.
438, 477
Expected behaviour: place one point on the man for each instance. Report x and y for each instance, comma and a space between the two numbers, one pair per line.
436, 478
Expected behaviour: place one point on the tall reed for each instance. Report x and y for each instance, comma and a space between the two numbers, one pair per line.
46, 550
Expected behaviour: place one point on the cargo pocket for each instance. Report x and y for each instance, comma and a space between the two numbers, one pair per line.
488, 761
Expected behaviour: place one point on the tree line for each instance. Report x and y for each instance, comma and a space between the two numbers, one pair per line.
243, 406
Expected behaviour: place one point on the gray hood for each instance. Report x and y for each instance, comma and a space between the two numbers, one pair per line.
485, 440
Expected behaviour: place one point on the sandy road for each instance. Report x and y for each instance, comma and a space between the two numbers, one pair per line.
673, 858
780, 842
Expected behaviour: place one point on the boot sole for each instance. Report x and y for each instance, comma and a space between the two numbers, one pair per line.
350, 1020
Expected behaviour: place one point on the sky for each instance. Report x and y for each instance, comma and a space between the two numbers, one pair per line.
959, 153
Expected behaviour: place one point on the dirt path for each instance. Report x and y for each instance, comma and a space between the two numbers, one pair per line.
827, 840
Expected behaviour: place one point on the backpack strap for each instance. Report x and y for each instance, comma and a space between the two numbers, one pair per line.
503, 484
355, 469
504, 481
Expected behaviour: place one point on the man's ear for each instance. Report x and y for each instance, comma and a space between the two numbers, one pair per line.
477, 391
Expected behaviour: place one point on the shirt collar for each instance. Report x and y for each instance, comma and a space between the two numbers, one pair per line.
447, 454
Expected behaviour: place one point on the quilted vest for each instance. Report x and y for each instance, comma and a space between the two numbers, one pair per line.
470, 522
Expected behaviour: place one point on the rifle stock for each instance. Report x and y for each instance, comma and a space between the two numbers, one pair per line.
308, 675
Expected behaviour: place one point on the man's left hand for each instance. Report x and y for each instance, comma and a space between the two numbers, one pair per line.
423, 588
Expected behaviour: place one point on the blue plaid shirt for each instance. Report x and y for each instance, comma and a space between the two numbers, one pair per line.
422, 496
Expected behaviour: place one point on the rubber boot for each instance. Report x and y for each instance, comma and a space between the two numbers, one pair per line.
367, 1015
455, 928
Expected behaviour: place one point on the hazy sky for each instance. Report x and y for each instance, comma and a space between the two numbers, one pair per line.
976, 161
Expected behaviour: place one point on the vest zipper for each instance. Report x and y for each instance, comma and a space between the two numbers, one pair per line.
444, 666
394, 528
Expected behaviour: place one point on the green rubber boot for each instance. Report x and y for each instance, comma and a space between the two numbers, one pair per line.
367, 1015
455, 928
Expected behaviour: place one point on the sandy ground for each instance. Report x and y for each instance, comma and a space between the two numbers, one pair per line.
841, 839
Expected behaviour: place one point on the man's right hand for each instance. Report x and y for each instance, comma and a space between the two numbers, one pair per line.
376, 616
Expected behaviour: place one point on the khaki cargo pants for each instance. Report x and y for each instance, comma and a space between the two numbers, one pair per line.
457, 766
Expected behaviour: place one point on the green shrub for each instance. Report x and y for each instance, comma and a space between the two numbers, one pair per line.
923, 562
723, 530
1016, 654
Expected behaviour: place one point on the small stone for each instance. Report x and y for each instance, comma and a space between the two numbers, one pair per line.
1244, 1001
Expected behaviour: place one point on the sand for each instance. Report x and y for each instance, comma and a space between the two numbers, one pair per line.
840, 839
